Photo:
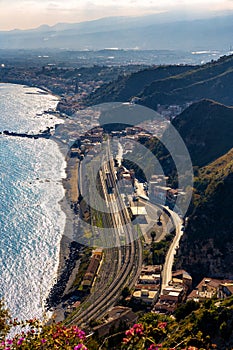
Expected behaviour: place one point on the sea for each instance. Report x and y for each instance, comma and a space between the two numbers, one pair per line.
31, 219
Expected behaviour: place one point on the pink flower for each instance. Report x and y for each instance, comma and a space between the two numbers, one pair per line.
162, 325
138, 328
43, 341
126, 340
155, 347
9, 341
80, 347
19, 342
129, 332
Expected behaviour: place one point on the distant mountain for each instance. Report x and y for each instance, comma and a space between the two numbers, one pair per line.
206, 248
161, 31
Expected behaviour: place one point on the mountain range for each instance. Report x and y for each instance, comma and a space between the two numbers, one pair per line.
159, 31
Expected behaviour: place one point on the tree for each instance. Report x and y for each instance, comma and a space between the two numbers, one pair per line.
153, 235
186, 309
159, 213
125, 292
4, 320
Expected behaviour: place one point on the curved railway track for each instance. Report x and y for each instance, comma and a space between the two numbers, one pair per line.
129, 263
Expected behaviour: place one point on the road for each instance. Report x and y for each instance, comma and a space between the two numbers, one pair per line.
177, 223
167, 267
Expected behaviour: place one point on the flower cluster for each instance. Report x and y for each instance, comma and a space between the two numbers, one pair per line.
144, 338
135, 332
38, 337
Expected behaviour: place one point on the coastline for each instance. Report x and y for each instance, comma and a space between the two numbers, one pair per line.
67, 256
69, 250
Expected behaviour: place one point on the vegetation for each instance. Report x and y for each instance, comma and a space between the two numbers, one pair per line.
206, 128
33, 335
205, 326
169, 85
208, 240
131, 85
195, 326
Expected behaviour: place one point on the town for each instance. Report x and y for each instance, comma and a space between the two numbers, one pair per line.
141, 276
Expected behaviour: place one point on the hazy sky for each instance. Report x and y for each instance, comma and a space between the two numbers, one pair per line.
32, 13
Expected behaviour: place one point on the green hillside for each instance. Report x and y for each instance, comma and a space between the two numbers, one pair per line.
207, 130
168, 85
128, 86
206, 247
212, 81
203, 326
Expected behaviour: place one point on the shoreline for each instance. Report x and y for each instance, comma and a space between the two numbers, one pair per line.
67, 253
67, 256
69, 249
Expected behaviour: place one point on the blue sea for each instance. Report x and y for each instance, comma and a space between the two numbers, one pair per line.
31, 219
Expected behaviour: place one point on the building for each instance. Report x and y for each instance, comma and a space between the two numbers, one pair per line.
226, 290
92, 268
116, 316
151, 269
173, 293
171, 297
150, 279
147, 288
210, 287
92, 138
182, 278
146, 296
164, 307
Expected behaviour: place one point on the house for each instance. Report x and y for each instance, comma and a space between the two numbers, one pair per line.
171, 297
226, 290
182, 278
210, 287
146, 296
172, 293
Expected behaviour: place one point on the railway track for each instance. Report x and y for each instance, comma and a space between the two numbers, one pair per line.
129, 256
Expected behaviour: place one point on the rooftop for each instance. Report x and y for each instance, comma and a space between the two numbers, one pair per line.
138, 211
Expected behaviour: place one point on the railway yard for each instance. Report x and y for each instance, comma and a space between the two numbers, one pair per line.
108, 222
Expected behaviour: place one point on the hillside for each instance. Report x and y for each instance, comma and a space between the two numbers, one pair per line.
170, 85
207, 245
128, 86
207, 130
195, 326
212, 80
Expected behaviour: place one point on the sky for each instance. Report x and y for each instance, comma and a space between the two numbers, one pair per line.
25, 14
